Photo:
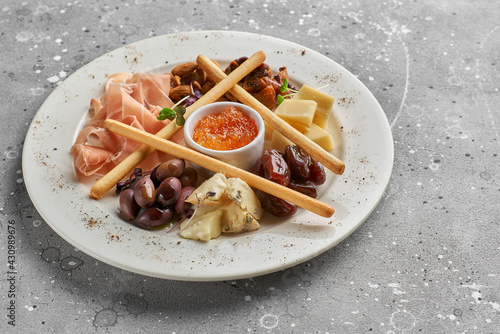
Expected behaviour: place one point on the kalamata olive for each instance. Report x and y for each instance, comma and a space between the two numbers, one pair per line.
134, 181
274, 167
317, 175
307, 188
144, 192
154, 178
170, 168
128, 205
168, 191
189, 178
276, 206
155, 216
180, 205
298, 161
135, 177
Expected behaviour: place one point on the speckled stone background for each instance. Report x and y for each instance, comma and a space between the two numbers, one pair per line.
426, 261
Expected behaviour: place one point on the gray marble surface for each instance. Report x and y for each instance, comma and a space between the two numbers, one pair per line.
426, 261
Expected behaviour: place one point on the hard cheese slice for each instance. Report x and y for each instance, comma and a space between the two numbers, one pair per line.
323, 100
297, 113
320, 136
279, 142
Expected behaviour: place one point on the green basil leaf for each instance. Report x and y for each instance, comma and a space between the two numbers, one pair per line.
166, 113
180, 120
284, 86
280, 99
180, 110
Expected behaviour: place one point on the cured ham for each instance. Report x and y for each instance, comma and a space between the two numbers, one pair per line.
134, 99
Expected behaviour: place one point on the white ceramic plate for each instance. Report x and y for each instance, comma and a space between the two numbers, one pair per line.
360, 128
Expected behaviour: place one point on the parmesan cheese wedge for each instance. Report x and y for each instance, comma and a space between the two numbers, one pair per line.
320, 136
269, 131
279, 142
323, 100
298, 113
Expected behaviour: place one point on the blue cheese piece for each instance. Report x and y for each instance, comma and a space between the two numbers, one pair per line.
236, 220
204, 227
240, 193
216, 185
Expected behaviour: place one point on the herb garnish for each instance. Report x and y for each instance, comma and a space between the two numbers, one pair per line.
122, 185
176, 112
190, 214
283, 89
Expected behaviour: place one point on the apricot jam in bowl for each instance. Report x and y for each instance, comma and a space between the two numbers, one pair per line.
229, 131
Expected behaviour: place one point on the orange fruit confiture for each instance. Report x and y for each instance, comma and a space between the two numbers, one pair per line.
229, 130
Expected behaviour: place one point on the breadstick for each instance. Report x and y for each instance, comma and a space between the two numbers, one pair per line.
109, 180
216, 165
317, 152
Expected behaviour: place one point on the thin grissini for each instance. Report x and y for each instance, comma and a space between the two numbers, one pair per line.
317, 152
108, 181
215, 165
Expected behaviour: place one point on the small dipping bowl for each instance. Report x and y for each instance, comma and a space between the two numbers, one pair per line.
244, 157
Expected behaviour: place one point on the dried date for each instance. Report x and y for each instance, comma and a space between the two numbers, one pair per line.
272, 166
317, 172
276, 206
307, 188
298, 161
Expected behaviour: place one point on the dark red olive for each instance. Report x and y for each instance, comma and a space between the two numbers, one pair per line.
181, 206
144, 192
168, 192
170, 168
128, 205
155, 216
189, 178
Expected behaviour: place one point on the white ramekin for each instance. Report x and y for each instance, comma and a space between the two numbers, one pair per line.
244, 157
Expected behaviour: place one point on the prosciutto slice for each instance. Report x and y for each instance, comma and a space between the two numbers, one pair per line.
135, 99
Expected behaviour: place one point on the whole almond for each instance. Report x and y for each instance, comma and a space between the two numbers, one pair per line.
176, 80
179, 92
202, 75
196, 85
185, 68
206, 87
